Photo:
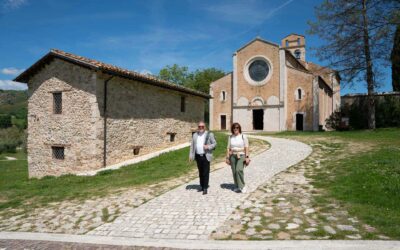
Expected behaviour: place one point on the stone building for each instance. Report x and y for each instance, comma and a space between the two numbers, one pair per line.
273, 88
84, 114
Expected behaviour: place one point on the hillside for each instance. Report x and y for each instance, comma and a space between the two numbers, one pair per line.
14, 102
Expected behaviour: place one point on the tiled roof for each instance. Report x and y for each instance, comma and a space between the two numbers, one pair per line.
323, 72
105, 68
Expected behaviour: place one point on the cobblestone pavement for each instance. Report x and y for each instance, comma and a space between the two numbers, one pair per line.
183, 213
79, 217
288, 206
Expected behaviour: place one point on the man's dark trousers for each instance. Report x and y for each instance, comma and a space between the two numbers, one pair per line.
204, 170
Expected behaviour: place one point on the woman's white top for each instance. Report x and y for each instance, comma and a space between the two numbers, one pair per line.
237, 143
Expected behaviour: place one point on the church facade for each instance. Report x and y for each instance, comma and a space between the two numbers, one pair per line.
273, 88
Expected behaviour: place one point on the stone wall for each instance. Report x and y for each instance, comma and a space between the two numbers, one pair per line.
349, 99
77, 128
303, 80
138, 115
218, 106
141, 115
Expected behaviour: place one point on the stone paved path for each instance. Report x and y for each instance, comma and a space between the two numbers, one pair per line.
80, 216
183, 213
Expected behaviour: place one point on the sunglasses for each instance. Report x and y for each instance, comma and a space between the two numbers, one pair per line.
201, 126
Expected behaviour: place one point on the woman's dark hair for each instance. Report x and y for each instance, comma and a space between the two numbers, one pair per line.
234, 125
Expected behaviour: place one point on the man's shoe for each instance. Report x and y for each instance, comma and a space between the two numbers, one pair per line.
200, 190
205, 191
244, 190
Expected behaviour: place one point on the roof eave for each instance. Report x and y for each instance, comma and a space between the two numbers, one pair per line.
26, 75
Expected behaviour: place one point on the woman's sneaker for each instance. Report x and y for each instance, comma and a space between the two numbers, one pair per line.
244, 190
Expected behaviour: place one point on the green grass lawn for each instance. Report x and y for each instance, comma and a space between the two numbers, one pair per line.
17, 191
368, 183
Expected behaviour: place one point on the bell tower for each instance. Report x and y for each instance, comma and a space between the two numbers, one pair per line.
296, 44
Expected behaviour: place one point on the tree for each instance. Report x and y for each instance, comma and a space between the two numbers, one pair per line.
175, 74
356, 34
201, 79
395, 57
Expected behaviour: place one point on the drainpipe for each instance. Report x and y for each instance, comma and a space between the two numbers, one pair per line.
105, 121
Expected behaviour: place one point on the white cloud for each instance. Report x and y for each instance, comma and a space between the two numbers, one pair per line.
13, 4
8, 84
11, 71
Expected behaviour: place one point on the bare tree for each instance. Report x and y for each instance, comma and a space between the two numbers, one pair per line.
358, 40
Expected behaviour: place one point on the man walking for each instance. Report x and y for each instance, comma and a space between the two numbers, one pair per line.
203, 143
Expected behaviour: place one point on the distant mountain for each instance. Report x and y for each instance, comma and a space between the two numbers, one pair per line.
14, 102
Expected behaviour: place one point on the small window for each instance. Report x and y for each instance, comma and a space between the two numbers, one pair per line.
58, 152
298, 41
297, 54
183, 104
287, 43
299, 94
223, 96
172, 137
57, 103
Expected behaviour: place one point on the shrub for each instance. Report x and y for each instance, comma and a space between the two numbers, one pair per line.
5, 121
333, 122
10, 139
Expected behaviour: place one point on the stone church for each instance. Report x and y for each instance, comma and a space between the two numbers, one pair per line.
273, 88
85, 115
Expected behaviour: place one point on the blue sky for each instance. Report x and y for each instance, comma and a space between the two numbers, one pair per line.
147, 35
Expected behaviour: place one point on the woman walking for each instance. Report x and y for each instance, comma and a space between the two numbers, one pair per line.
238, 156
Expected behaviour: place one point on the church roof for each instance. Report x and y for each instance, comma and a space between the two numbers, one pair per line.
257, 39
322, 71
105, 68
